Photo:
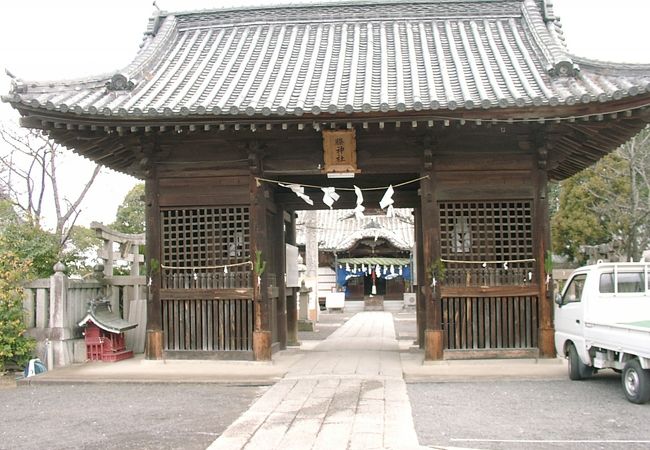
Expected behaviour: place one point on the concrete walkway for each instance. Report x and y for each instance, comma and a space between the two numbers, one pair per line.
347, 393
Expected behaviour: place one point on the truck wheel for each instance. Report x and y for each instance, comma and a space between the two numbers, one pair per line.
636, 382
577, 369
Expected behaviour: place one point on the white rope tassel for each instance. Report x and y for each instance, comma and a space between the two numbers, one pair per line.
329, 196
358, 211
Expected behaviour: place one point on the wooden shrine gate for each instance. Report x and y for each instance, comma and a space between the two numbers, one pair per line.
483, 108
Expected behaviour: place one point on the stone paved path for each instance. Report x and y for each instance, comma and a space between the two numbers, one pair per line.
347, 393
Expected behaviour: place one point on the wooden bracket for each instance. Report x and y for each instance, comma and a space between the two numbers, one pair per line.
255, 150
428, 158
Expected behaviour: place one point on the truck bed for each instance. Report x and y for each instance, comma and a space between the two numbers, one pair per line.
629, 337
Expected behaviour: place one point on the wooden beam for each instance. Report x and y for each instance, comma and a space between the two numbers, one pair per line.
206, 294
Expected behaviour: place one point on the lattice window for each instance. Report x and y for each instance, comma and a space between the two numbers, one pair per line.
487, 231
195, 240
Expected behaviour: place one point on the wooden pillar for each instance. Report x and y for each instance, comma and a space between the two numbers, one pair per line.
292, 294
262, 332
420, 301
154, 341
546, 334
433, 336
279, 240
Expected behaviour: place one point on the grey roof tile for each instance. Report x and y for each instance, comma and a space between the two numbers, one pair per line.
355, 57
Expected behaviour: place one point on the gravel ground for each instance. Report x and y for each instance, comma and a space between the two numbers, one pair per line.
591, 414
120, 416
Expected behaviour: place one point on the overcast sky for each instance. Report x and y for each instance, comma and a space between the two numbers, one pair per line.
48, 39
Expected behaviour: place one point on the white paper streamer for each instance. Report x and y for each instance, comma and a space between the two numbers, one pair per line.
300, 192
387, 201
358, 211
329, 196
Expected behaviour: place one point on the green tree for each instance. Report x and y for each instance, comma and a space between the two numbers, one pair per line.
15, 347
80, 253
607, 203
130, 216
42, 248
575, 224
27, 241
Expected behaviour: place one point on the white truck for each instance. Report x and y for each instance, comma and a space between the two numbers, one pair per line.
602, 321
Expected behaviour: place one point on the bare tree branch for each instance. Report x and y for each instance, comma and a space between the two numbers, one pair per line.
31, 162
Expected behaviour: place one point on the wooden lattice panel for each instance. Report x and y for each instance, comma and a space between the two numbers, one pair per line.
208, 325
487, 231
490, 323
197, 240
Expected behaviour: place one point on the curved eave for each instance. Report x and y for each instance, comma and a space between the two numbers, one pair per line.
106, 327
582, 133
541, 113
571, 105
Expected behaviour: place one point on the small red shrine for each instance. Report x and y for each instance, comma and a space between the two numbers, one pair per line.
104, 334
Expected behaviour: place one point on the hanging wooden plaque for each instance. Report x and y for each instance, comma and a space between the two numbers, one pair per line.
340, 151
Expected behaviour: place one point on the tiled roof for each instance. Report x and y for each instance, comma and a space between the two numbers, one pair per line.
354, 57
101, 315
339, 229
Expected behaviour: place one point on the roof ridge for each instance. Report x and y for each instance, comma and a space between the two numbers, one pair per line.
150, 50
552, 47
600, 64
320, 4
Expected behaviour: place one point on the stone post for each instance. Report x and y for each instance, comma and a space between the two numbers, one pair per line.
304, 324
60, 330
